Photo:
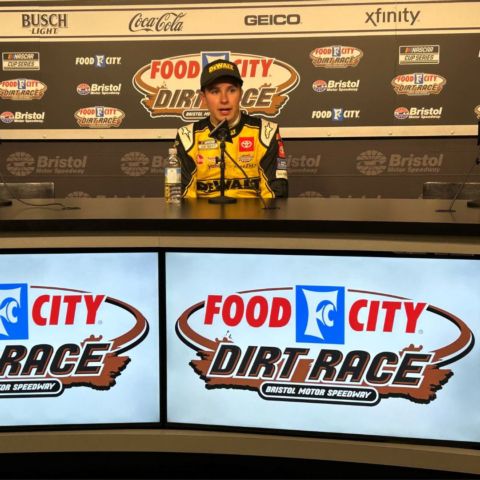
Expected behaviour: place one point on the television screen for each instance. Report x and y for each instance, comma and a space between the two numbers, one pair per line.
79, 338
328, 344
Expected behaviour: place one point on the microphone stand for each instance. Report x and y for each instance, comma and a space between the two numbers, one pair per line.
222, 199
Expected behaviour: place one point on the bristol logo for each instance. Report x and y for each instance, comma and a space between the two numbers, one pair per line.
13, 311
320, 313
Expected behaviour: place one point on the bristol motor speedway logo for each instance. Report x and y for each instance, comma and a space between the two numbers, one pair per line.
171, 86
36, 360
325, 344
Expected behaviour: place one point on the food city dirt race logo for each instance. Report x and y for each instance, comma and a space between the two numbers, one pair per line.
326, 344
171, 86
54, 338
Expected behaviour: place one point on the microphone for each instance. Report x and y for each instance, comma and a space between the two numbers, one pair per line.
470, 203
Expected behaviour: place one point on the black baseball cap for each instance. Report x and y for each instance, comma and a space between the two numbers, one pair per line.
218, 69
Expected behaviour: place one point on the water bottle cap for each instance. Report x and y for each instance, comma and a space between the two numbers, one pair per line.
172, 151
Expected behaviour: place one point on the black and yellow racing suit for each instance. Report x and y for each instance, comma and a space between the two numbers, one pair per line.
256, 146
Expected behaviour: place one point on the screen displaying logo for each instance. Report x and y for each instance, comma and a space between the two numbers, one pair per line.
73, 338
323, 343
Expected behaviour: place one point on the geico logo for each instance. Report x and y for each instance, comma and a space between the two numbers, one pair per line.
373, 315
279, 19
256, 311
62, 309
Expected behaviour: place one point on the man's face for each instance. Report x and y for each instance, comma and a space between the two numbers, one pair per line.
223, 100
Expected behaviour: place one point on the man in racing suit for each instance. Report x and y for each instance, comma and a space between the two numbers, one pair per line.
255, 163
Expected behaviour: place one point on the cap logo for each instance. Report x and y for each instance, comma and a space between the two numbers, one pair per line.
219, 66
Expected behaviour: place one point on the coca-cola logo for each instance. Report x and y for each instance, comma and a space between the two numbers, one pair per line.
168, 22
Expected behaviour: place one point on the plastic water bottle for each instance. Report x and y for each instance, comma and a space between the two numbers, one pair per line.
173, 177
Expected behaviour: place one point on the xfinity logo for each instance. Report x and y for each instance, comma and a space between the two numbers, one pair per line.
279, 19
375, 17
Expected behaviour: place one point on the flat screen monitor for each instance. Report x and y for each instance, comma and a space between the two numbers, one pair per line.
348, 345
79, 338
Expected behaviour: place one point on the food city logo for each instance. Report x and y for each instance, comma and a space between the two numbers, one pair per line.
321, 86
22, 117
336, 114
336, 56
373, 162
418, 84
44, 23
99, 88
415, 113
171, 85
317, 337
99, 117
98, 328
20, 61
22, 164
22, 89
167, 22
137, 164
98, 61
418, 54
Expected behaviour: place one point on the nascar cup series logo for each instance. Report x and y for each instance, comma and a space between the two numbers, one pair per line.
418, 84
92, 356
336, 56
99, 117
171, 86
325, 344
22, 89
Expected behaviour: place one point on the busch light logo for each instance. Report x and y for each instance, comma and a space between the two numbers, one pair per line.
320, 314
13, 311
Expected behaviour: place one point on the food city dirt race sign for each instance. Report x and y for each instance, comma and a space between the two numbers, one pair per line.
171, 86
50, 339
327, 344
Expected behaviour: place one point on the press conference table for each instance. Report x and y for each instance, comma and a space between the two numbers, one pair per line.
411, 225
297, 224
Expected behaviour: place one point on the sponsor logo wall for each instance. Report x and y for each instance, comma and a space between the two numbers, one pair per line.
330, 344
375, 72
388, 168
